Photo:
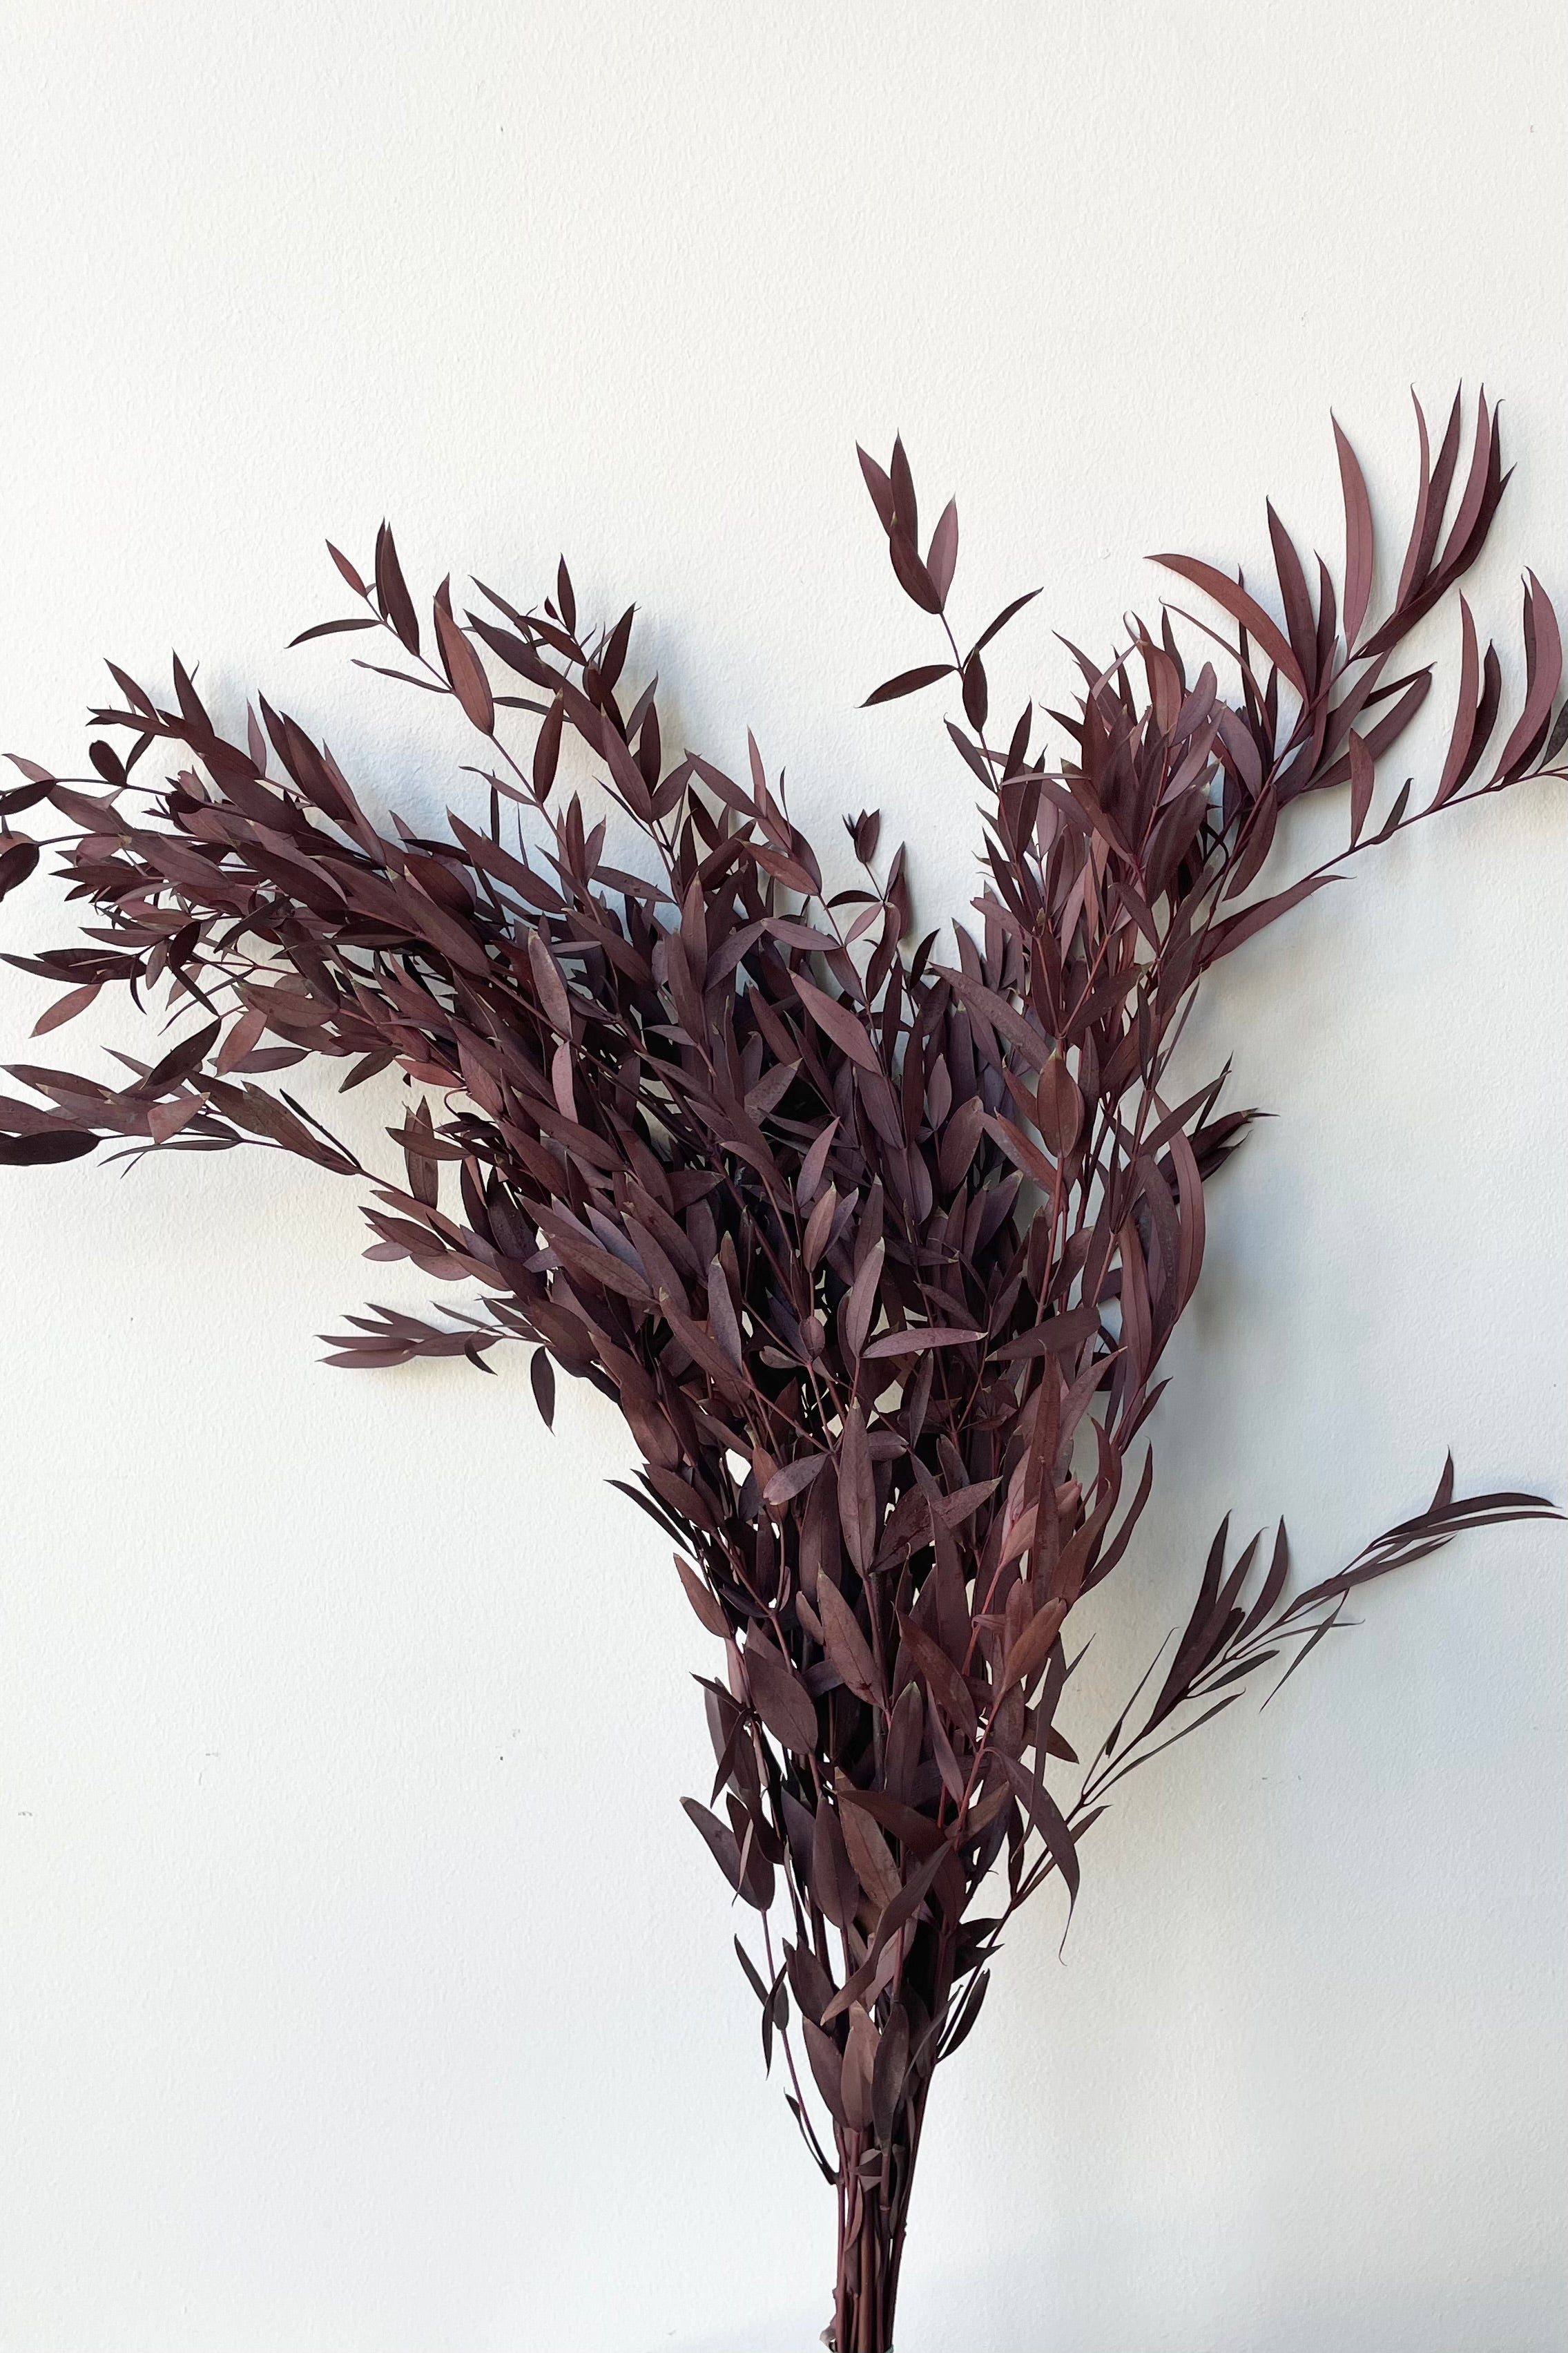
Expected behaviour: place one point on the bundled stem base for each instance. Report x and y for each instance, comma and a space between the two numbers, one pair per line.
876, 2177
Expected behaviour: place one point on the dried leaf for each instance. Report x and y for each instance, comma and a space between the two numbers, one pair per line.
847, 1645
392, 591
465, 673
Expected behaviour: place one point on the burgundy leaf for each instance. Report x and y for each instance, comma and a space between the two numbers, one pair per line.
908, 682
1359, 542
1241, 608
838, 1023
464, 674
781, 1700
847, 1646
392, 591
943, 554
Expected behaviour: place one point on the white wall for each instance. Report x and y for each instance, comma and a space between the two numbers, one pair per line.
361, 1990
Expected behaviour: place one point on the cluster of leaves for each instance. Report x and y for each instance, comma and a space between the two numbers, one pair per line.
878, 1253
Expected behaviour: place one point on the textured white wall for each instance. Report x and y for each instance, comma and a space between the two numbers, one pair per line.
361, 1986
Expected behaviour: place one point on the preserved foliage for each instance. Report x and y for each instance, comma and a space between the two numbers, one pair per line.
879, 1252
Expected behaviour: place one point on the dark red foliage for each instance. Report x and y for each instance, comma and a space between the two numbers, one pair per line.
878, 1251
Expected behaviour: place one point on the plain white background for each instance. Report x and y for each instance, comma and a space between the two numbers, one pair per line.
361, 1990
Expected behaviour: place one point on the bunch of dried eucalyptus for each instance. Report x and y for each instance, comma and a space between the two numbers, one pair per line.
878, 1251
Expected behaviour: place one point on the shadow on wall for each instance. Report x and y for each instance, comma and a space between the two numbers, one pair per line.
1282, 2311
796, 2330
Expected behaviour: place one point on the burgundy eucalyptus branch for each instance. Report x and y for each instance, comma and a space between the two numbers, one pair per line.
879, 1254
